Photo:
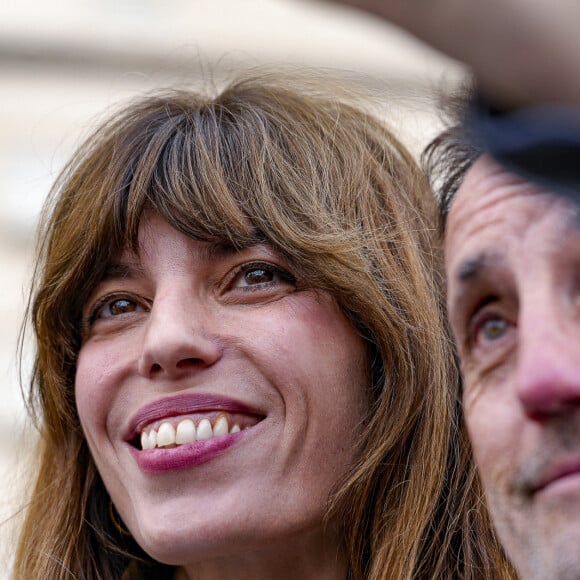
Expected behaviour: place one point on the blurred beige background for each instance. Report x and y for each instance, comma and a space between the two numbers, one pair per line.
64, 62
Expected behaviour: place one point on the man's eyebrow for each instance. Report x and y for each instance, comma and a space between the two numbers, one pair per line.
461, 283
472, 272
472, 267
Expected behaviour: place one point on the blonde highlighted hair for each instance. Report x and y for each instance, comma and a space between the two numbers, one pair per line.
291, 162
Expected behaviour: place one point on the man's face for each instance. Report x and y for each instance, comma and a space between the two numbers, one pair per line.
513, 267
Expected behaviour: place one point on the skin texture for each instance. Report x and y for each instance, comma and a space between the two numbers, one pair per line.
522, 51
183, 321
512, 260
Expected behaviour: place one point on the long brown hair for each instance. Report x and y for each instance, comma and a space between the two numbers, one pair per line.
294, 163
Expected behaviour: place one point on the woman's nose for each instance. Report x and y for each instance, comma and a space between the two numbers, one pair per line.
548, 359
178, 339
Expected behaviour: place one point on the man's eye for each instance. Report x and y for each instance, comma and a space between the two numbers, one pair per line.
493, 328
490, 329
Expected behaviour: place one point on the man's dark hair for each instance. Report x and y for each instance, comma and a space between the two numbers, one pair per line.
448, 157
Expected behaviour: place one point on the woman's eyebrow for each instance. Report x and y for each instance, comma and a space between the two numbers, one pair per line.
122, 270
216, 250
133, 269
221, 249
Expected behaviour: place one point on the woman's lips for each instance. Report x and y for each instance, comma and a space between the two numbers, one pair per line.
186, 404
186, 430
184, 456
189, 428
560, 473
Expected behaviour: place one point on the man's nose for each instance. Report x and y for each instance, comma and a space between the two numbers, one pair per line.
548, 358
178, 338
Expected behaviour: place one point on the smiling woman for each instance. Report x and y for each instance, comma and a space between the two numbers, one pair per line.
188, 341
242, 367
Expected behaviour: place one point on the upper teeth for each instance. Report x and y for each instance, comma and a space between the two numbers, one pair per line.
186, 432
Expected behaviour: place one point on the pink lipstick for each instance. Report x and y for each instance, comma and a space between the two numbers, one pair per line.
188, 429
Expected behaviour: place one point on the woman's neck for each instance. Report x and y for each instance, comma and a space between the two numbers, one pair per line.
308, 558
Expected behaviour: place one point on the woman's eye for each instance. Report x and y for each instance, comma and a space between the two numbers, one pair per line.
111, 307
261, 275
258, 276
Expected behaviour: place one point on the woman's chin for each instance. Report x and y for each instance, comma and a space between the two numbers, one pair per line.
179, 546
187, 541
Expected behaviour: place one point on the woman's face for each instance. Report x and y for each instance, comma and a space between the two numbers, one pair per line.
220, 399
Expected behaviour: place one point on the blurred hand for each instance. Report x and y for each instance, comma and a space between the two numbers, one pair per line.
521, 51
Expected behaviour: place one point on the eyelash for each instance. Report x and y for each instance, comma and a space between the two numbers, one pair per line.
245, 269
478, 327
109, 300
238, 273
480, 318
